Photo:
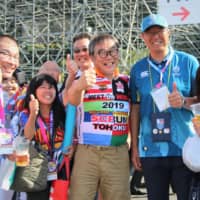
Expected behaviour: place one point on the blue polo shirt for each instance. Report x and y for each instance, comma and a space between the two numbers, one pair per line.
181, 70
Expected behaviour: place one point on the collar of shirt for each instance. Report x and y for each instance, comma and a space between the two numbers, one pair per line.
163, 62
100, 74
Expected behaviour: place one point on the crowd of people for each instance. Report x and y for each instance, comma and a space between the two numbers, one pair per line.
151, 105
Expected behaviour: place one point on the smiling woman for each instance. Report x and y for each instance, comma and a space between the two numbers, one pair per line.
43, 118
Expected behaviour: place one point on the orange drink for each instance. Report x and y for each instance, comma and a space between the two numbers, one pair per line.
21, 146
22, 160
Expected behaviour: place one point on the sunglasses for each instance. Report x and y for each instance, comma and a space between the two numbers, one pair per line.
77, 50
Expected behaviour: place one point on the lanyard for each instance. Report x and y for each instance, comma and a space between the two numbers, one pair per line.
161, 71
43, 128
2, 113
161, 76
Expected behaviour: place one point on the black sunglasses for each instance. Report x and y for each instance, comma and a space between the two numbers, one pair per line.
77, 50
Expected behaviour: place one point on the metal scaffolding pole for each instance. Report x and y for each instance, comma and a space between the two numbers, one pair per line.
45, 28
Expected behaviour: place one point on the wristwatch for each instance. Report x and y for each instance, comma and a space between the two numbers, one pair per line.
183, 101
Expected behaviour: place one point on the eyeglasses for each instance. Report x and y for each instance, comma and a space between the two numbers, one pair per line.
77, 50
104, 53
8, 56
153, 33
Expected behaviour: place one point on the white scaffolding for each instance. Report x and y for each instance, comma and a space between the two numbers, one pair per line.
45, 28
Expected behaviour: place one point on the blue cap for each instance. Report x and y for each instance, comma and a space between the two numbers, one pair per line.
153, 20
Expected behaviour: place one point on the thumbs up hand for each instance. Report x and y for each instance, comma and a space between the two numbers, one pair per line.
33, 105
87, 79
71, 66
175, 98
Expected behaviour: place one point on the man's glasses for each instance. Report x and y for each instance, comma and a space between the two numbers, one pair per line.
8, 56
153, 33
77, 50
104, 53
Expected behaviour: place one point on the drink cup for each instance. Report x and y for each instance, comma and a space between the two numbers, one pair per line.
196, 110
21, 146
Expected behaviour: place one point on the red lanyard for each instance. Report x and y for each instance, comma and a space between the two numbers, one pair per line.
43, 128
2, 113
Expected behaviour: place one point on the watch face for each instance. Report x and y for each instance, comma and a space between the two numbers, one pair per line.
183, 101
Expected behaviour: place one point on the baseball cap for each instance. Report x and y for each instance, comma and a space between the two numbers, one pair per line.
153, 20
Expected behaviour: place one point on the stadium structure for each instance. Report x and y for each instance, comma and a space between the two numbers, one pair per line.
45, 28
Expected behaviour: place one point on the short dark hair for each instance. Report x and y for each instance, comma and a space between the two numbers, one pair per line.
3, 36
57, 107
99, 39
82, 36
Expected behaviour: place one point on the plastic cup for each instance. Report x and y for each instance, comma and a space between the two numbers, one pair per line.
21, 146
196, 110
21, 77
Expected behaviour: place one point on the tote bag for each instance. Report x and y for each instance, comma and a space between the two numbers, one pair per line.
34, 176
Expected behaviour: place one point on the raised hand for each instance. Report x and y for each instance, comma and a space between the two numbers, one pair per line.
71, 66
33, 105
175, 98
87, 79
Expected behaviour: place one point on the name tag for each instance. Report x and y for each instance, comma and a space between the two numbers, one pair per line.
160, 97
161, 131
6, 141
52, 172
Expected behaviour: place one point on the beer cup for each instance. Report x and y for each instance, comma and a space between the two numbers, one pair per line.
196, 110
21, 146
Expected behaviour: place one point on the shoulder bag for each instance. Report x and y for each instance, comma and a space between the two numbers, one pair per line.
34, 176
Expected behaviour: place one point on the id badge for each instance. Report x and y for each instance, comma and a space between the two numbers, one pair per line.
161, 131
52, 172
6, 141
160, 97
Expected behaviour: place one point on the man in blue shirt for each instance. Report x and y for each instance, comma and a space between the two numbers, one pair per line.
160, 85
